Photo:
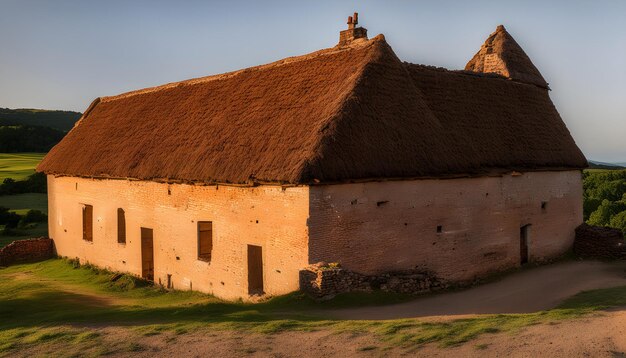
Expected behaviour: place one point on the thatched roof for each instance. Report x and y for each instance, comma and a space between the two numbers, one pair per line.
347, 113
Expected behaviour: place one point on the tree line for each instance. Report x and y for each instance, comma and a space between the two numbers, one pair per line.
604, 198
26, 138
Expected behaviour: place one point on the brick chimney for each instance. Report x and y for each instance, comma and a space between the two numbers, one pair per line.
353, 32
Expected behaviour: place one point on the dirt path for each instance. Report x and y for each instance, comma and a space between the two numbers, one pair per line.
602, 335
528, 291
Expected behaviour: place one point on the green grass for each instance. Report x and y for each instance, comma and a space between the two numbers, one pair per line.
21, 203
44, 303
18, 165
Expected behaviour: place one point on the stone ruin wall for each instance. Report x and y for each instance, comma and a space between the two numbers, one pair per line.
324, 281
600, 243
30, 250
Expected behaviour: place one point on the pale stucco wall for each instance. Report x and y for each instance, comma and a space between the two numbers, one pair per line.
382, 226
267, 216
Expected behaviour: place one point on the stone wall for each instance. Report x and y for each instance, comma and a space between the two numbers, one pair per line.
595, 242
325, 281
26, 251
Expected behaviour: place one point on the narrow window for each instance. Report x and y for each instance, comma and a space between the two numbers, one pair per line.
121, 226
87, 222
544, 206
439, 229
205, 240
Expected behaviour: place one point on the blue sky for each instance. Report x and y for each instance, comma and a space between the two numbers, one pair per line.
62, 54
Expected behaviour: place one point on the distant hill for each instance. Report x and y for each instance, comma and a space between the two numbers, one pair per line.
33, 130
28, 139
59, 120
602, 165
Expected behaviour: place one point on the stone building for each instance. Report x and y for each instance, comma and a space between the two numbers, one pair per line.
231, 184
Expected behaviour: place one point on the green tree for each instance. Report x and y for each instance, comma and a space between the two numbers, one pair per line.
618, 221
602, 216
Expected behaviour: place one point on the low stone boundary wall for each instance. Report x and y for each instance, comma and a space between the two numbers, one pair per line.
325, 281
26, 251
596, 242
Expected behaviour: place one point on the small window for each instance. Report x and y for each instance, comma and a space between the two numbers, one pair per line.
205, 240
121, 226
439, 229
544, 206
87, 222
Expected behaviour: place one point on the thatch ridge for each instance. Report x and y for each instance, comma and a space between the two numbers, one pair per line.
226, 75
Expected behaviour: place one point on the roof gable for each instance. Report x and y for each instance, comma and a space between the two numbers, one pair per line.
502, 55
495, 123
385, 129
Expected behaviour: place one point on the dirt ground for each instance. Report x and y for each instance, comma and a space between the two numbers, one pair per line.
602, 335
527, 291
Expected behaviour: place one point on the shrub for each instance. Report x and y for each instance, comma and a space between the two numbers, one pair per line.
34, 216
604, 195
619, 221
35, 183
608, 209
8, 219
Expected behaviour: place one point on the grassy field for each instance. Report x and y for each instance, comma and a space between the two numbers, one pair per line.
18, 165
54, 304
20, 204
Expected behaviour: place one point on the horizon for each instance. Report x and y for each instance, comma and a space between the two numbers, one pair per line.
61, 56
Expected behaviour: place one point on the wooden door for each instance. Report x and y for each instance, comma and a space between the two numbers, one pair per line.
147, 254
255, 270
523, 243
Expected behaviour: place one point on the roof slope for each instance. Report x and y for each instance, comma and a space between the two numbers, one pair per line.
347, 113
502, 55
258, 124
386, 130
497, 123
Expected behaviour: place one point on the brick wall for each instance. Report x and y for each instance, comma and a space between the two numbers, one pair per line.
460, 229
271, 217
26, 251
595, 242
